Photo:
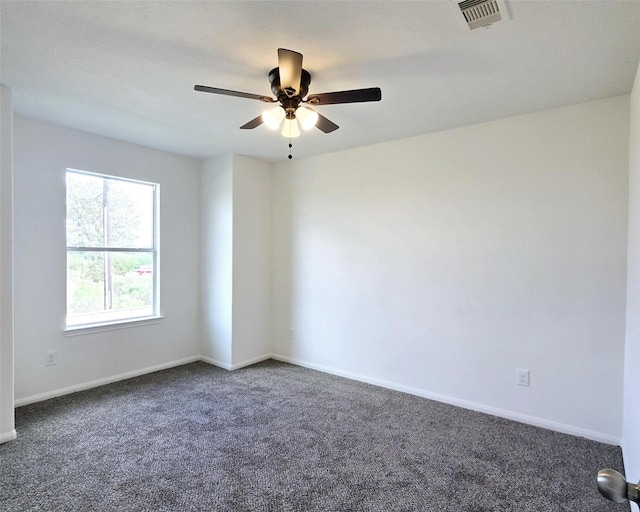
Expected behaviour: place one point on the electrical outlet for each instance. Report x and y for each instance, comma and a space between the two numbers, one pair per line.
291, 334
51, 358
522, 377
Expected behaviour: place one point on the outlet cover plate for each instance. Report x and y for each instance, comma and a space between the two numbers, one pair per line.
51, 358
522, 377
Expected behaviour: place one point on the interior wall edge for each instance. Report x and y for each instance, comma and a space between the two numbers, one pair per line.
8, 436
215, 362
631, 406
236, 366
7, 366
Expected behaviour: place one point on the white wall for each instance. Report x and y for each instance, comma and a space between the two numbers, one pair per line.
236, 261
631, 431
217, 260
7, 431
437, 264
42, 152
441, 264
251, 260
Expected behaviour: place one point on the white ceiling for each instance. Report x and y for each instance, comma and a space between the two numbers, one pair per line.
127, 69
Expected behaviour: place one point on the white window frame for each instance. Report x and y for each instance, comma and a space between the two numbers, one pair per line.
155, 316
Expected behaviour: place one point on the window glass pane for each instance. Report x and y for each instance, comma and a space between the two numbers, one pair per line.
129, 214
107, 286
132, 282
85, 283
85, 222
103, 212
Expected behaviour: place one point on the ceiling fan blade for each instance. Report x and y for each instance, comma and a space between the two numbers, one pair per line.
325, 125
227, 92
353, 96
290, 69
252, 124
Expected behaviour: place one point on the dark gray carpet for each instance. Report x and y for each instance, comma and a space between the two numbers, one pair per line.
277, 437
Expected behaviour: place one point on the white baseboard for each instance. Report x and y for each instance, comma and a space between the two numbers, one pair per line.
100, 382
236, 366
474, 406
254, 360
215, 362
465, 404
8, 436
115, 378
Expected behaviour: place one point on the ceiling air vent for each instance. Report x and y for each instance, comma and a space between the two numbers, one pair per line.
481, 13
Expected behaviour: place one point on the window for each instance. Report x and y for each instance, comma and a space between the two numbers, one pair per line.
112, 252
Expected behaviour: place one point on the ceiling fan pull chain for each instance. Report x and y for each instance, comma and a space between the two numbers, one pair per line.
290, 146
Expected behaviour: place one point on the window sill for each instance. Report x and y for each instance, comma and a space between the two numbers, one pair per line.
111, 326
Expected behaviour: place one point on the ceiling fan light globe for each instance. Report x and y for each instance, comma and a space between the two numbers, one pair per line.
273, 118
307, 117
290, 129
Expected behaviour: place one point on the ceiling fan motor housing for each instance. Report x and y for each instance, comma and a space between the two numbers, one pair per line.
278, 91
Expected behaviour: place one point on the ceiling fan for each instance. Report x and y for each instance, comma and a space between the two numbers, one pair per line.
290, 85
